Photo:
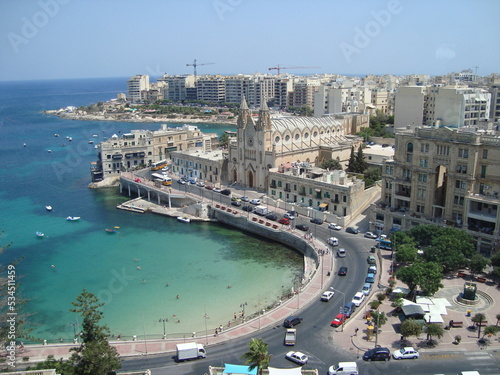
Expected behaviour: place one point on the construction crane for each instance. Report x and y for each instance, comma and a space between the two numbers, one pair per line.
194, 64
279, 67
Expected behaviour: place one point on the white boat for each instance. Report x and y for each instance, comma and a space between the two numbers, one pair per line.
184, 219
73, 218
48, 208
39, 234
56, 135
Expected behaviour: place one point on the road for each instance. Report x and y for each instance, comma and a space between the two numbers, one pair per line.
315, 337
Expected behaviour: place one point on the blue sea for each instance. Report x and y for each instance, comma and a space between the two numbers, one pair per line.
214, 269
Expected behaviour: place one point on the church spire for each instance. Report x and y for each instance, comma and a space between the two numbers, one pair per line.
264, 122
244, 114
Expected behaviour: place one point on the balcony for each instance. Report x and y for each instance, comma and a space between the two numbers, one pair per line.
403, 193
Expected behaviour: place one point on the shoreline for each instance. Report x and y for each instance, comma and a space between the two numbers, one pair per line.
136, 118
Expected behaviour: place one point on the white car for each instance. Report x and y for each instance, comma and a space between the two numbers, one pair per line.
216, 190
289, 216
297, 357
334, 241
371, 235
405, 353
334, 226
325, 297
341, 253
372, 269
358, 298
367, 287
255, 201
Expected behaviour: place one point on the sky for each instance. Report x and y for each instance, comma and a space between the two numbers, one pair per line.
52, 39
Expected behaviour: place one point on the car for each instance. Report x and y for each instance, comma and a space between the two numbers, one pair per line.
366, 289
226, 192
247, 208
293, 213
209, 187
385, 145
352, 230
272, 217
341, 253
338, 320
334, 226
216, 190
255, 202
371, 235
302, 227
327, 296
406, 353
333, 241
297, 357
370, 278
235, 199
371, 259
349, 309
292, 321
372, 269
358, 298
316, 221
201, 184
236, 203
377, 354
244, 199
192, 181
342, 271
181, 181
284, 221
289, 216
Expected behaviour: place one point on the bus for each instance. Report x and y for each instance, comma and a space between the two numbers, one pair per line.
158, 165
163, 179
385, 244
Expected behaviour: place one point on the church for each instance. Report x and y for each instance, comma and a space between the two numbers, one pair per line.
269, 142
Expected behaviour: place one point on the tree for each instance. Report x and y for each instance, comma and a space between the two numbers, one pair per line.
361, 164
497, 318
410, 327
94, 355
427, 276
351, 165
372, 175
331, 164
433, 329
257, 355
478, 263
379, 318
495, 259
61, 366
491, 330
406, 253
479, 318
224, 140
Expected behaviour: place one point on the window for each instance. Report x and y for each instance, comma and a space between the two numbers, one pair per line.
279, 183
424, 147
485, 154
422, 177
406, 173
287, 138
483, 171
457, 199
344, 198
463, 153
297, 137
420, 208
421, 192
409, 147
443, 150
389, 169
409, 158
461, 168
460, 184
424, 162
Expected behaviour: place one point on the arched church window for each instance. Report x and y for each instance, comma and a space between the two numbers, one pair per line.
306, 135
315, 134
297, 137
409, 147
277, 139
287, 138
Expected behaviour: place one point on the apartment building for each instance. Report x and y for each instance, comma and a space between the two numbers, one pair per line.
135, 86
441, 105
303, 93
494, 90
443, 176
255, 88
211, 89
180, 88
207, 166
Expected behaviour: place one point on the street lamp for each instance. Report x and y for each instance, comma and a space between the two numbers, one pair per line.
242, 306
206, 329
164, 330
263, 311
74, 325
342, 308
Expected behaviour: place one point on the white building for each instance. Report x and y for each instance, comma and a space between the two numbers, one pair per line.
136, 85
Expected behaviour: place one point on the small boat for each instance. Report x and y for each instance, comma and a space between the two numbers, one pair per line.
48, 208
56, 135
90, 142
184, 219
73, 218
24, 144
110, 230
95, 135
49, 151
39, 234
70, 139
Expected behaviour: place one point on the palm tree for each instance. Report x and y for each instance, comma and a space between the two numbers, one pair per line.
257, 355
498, 318
478, 319
433, 329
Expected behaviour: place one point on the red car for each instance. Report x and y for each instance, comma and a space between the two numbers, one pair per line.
339, 319
284, 221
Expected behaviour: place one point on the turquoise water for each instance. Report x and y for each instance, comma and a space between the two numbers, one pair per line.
212, 268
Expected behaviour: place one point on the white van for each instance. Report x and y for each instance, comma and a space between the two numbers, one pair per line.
344, 368
333, 241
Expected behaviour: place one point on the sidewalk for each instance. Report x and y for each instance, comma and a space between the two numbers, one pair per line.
389, 335
302, 298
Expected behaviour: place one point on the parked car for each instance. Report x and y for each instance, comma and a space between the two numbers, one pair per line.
291, 321
226, 192
342, 271
209, 187
370, 278
338, 320
255, 201
358, 298
284, 221
406, 353
333, 241
341, 253
236, 199
316, 221
216, 190
247, 208
236, 203
272, 217
349, 309
289, 216
244, 199
334, 226
377, 354
297, 357
372, 269
366, 289
352, 230
201, 184
327, 296
371, 259
371, 235
303, 227
181, 181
